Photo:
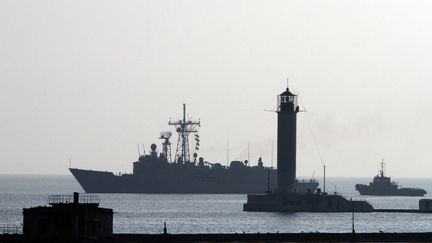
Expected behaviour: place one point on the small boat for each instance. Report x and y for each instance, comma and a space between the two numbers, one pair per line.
382, 185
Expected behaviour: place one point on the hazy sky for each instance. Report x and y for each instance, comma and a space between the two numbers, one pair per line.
88, 80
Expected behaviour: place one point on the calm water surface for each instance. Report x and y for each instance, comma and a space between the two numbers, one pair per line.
202, 213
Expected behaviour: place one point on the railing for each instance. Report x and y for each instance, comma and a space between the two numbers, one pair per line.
10, 229
82, 199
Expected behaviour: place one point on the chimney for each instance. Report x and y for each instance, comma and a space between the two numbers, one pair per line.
76, 197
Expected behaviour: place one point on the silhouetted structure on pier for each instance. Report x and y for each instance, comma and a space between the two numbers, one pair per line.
69, 218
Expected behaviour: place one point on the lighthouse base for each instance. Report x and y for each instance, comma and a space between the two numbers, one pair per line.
296, 202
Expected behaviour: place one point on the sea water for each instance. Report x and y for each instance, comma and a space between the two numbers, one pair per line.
220, 213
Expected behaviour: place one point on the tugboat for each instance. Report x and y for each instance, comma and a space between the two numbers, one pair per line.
383, 186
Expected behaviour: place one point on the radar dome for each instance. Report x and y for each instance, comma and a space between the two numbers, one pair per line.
153, 147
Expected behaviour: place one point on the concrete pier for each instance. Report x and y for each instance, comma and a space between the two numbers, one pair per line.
295, 202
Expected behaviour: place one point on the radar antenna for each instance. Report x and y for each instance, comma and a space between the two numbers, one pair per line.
184, 128
166, 145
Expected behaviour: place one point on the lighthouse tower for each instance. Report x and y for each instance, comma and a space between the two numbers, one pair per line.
287, 199
287, 110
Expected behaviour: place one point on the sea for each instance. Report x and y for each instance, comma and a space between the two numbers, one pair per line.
221, 213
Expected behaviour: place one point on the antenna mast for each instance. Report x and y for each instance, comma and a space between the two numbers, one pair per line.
324, 179
227, 163
268, 180
139, 152
249, 152
272, 155
184, 128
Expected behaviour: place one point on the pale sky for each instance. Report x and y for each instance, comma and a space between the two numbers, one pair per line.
88, 80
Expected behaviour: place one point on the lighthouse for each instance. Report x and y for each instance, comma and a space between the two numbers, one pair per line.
287, 109
287, 198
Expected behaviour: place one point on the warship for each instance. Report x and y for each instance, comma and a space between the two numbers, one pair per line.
382, 185
158, 172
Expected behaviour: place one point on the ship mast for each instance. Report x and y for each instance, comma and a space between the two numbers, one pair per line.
184, 128
382, 168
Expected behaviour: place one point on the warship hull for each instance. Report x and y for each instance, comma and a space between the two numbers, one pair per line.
107, 182
371, 191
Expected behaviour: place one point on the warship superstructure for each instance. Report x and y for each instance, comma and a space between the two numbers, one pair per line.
158, 172
382, 185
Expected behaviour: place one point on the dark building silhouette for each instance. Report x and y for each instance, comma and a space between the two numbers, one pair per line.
69, 218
